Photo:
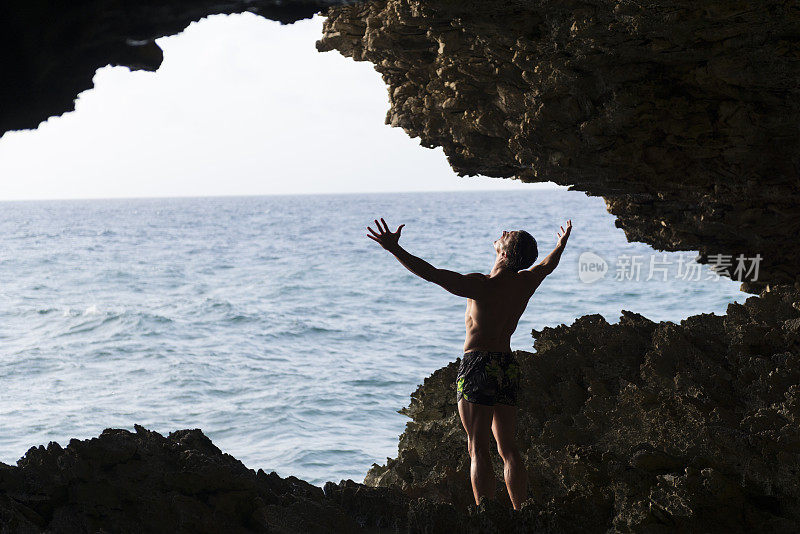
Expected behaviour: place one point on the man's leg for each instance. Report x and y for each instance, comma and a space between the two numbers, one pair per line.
477, 421
504, 427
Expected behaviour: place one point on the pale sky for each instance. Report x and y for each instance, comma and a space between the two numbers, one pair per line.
240, 106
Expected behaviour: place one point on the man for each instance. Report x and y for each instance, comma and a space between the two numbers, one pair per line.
488, 377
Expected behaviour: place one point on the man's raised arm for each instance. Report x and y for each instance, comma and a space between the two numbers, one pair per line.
550, 262
471, 285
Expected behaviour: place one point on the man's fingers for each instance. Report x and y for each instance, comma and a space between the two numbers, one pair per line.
369, 236
379, 226
385, 226
373, 232
398, 228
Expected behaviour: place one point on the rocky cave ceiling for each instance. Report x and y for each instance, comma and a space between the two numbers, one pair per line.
683, 115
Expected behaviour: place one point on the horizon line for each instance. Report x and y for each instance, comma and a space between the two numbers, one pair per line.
247, 195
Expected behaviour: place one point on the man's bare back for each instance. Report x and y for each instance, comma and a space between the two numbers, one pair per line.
490, 321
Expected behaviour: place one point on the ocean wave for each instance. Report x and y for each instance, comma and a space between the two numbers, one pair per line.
374, 383
96, 322
241, 318
35, 235
93, 319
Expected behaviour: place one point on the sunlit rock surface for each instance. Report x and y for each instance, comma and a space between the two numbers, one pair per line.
684, 116
636, 426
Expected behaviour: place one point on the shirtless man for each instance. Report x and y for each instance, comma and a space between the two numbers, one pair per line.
488, 377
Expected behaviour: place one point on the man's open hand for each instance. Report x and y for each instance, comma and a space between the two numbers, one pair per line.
388, 240
564, 235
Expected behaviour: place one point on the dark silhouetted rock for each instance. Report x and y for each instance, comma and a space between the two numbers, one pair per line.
143, 482
51, 50
636, 426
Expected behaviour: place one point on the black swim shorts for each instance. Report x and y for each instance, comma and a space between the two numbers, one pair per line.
488, 377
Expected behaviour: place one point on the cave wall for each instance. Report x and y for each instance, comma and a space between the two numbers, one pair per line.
683, 115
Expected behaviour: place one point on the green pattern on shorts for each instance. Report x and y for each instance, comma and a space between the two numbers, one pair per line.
460, 387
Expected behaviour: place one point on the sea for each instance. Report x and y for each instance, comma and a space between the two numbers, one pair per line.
273, 323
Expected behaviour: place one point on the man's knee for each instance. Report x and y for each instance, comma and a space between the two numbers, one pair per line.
477, 448
509, 453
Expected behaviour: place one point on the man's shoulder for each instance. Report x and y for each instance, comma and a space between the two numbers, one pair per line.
536, 270
532, 277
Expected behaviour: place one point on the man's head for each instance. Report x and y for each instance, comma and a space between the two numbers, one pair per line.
518, 247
